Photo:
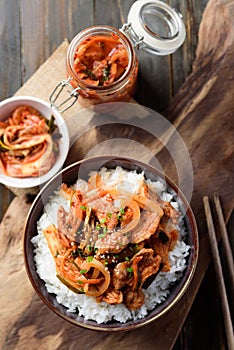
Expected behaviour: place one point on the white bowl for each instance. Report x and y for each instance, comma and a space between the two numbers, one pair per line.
6, 108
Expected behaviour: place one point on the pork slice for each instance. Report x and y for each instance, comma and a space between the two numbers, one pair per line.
134, 299
103, 204
163, 242
68, 222
162, 249
111, 296
112, 243
120, 276
144, 265
169, 230
171, 213
147, 226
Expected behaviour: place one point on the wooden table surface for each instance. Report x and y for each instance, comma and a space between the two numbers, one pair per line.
30, 31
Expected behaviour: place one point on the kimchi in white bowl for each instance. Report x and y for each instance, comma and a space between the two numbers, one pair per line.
34, 142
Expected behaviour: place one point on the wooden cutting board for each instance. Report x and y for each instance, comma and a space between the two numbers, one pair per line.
202, 112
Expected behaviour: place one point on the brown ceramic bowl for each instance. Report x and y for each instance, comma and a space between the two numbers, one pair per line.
69, 176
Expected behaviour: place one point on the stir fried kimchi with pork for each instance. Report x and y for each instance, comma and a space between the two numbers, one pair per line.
27, 146
112, 242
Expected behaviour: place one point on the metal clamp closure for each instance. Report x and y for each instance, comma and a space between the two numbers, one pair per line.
73, 95
138, 42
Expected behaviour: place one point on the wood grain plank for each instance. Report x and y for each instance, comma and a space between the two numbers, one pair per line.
203, 328
124, 7
10, 50
182, 60
107, 12
6, 197
10, 67
208, 108
33, 35
45, 24
153, 88
69, 19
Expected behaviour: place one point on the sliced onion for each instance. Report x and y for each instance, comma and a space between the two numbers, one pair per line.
94, 194
136, 217
98, 289
94, 182
147, 204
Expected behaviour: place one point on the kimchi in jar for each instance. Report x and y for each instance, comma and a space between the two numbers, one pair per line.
101, 62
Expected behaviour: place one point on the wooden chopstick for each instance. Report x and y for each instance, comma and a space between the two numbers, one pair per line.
219, 273
225, 240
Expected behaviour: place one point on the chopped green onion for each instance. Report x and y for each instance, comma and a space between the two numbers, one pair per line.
77, 252
129, 269
101, 235
122, 211
90, 74
83, 207
89, 258
51, 124
83, 271
120, 217
106, 72
136, 247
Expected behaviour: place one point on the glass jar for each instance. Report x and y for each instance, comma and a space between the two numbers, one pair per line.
120, 89
152, 26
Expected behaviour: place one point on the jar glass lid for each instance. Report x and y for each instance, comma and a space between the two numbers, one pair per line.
155, 27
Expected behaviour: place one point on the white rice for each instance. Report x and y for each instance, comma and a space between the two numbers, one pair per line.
86, 306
